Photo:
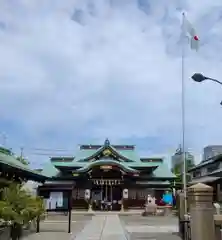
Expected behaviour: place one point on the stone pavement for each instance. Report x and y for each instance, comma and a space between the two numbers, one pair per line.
113, 229
153, 228
108, 227
56, 228
103, 227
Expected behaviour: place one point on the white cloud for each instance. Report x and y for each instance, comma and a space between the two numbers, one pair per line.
117, 74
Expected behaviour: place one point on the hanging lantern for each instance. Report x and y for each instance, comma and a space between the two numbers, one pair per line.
87, 194
125, 193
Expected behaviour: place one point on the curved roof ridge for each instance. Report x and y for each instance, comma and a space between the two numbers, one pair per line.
107, 162
102, 148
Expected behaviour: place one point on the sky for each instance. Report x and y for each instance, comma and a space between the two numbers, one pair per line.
80, 71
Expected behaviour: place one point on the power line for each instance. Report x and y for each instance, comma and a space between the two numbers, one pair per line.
51, 154
22, 154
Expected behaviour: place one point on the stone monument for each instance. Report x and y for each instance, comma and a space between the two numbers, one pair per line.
150, 206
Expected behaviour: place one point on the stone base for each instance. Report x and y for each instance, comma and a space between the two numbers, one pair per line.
157, 211
150, 209
168, 210
145, 214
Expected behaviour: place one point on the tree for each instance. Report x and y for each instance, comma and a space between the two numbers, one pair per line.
178, 171
19, 207
22, 160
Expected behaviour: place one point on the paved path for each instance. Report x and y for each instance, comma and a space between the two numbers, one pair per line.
109, 227
103, 228
152, 228
56, 228
113, 229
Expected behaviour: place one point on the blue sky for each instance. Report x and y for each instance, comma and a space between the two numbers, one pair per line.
78, 71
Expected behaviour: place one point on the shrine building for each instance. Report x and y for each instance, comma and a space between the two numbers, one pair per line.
108, 173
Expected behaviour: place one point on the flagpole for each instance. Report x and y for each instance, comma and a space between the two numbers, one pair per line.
183, 114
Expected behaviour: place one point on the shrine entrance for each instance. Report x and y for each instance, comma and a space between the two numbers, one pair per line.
106, 188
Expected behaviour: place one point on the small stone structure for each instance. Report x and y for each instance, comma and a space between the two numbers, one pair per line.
150, 206
200, 202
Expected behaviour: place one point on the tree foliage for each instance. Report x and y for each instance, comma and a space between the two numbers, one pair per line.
19, 206
178, 171
22, 160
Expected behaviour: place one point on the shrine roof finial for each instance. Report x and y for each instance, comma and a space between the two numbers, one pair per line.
107, 142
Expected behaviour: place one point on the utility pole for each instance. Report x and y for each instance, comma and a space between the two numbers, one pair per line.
22, 153
4, 139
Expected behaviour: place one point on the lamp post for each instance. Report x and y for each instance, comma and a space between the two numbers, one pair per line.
198, 77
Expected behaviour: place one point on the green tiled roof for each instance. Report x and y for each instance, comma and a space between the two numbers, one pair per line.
69, 164
153, 182
130, 154
50, 170
7, 158
143, 164
106, 161
163, 171
83, 154
123, 155
127, 164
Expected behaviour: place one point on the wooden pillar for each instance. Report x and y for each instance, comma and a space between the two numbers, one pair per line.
70, 210
200, 198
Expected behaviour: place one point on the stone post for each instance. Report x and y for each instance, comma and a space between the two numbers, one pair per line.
181, 208
122, 206
200, 199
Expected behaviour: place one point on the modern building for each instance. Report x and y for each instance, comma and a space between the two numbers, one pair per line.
209, 172
177, 159
211, 151
113, 174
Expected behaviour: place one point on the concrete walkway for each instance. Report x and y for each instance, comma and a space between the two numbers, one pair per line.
109, 227
113, 229
102, 228
153, 227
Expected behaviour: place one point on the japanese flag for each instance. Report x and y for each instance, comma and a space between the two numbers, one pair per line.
190, 32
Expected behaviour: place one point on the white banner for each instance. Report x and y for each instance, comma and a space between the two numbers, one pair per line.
56, 200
